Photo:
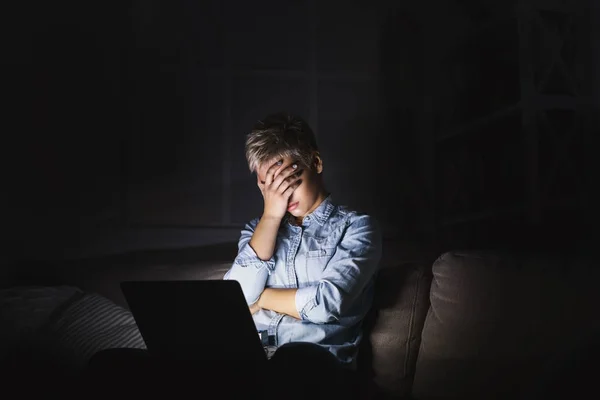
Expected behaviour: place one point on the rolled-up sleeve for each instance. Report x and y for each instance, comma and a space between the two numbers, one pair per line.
345, 277
248, 269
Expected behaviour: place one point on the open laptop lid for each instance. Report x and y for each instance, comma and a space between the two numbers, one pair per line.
194, 320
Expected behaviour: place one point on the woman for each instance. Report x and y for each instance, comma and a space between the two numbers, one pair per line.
306, 266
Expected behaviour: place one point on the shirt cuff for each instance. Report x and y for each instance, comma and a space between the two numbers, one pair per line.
305, 300
247, 258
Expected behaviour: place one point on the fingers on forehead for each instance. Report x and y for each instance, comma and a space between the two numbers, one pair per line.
268, 167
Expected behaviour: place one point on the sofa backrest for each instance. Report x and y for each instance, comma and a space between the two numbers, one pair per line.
496, 320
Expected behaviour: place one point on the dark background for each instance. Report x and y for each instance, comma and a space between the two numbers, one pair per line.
463, 122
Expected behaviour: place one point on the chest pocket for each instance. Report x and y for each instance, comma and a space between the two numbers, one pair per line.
316, 261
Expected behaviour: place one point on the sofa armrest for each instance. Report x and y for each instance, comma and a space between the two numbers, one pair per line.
394, 327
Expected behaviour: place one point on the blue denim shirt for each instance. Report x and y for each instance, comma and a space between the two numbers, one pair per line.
332, 260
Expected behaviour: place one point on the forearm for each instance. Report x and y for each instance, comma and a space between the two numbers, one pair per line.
264, 237
282, 301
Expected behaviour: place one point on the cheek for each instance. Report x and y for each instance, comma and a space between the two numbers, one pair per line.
308, 183
304, 190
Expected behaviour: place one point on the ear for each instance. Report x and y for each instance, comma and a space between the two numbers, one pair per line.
318, 163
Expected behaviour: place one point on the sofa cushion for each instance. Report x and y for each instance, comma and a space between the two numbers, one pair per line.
24, 310
496, 319
394, 326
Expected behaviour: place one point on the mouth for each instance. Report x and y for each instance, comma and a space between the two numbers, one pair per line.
292, 206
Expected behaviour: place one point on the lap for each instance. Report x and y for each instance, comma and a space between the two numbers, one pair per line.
294, 368
302, 368
136, 372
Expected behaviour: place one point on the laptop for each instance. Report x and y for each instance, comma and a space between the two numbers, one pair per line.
195, 320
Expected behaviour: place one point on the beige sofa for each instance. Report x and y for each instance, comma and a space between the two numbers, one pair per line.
480, 324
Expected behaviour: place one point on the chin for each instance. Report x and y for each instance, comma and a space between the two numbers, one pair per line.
296, 212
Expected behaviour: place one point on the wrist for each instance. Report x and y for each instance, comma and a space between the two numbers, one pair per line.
269, 218
254, 308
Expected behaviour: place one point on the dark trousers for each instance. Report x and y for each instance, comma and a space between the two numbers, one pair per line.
296, 371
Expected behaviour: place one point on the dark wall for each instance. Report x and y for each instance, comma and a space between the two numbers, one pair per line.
205, 74
66, 91
133, 114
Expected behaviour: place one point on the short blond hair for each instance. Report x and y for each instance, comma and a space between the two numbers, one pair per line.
281, 135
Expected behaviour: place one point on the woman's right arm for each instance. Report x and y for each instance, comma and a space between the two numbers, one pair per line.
254, 261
